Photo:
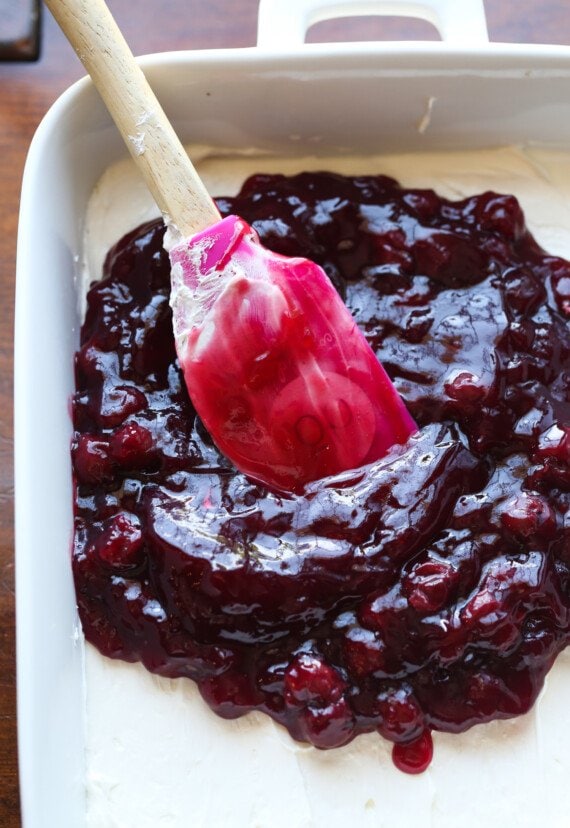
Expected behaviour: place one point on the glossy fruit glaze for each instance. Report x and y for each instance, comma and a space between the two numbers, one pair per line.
427, 591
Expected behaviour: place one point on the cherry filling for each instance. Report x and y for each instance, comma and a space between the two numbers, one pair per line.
427, 591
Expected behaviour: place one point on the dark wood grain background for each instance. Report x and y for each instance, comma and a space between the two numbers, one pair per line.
26, 92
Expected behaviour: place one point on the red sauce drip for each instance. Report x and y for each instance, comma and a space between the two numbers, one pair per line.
415, 756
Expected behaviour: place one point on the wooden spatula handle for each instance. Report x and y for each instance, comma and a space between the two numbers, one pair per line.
152, 142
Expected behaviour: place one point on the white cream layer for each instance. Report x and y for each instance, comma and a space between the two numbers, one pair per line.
157, 756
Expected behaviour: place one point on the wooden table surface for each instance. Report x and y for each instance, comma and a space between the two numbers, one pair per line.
26, 92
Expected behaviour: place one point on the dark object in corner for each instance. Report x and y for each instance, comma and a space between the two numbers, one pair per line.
20, 23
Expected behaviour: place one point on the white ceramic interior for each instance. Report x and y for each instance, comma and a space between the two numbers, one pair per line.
286, 99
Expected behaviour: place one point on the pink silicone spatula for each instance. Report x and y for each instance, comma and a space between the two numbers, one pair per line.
274, 363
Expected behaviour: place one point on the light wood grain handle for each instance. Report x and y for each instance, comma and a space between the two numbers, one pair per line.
152, 142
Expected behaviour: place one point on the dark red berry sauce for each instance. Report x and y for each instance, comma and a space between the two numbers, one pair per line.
429, 591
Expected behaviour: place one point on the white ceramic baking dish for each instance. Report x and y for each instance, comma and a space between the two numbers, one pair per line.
282, 97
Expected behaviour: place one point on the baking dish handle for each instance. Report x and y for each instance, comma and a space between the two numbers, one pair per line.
284, 23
